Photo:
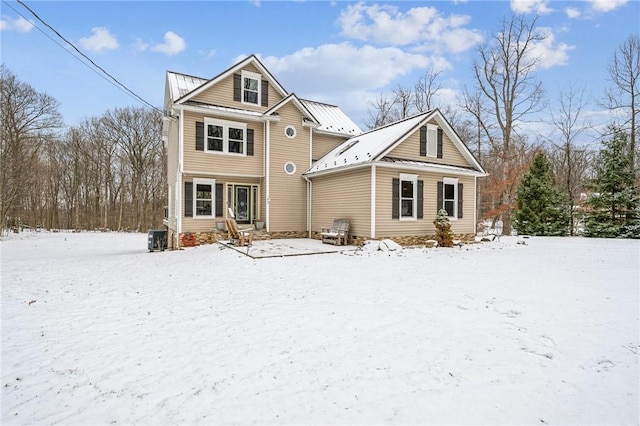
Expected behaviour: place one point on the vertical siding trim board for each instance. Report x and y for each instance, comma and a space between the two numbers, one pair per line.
373, 201
267, 174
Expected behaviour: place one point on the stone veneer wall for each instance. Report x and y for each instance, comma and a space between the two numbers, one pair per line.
405, 241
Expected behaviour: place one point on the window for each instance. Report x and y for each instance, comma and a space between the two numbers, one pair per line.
290, 167
449, 197
225, 136
290, 132
408, 192
250, 87
203, 197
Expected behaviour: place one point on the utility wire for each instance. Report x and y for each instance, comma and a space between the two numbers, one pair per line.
113, 81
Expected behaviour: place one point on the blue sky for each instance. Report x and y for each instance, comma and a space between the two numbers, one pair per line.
341, 52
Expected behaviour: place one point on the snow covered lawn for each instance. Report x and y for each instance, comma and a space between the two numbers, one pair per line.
96, 330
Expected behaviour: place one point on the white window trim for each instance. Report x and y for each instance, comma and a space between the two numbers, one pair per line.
200, 181
225, 136
414, 179
454, 182
254, 76
294, 167
432, 140
294, 131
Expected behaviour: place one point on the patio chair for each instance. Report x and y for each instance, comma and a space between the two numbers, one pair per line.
237, 235
337, 234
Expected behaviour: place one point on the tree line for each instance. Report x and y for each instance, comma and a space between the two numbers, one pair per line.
109, 172
106, 173
489, 117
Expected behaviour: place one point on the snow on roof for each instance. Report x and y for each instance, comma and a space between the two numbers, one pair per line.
367, 146
331, 118
181, 84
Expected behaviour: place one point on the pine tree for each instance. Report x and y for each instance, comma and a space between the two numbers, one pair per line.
444, 235
612, 208
542, 208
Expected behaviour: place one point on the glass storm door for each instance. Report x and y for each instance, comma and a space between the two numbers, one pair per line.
242, 207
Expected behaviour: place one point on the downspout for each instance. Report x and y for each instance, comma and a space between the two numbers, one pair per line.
373, 201
475, 205
309, 185
266, 165
180, 184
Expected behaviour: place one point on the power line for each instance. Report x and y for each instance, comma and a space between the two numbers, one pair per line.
113, 80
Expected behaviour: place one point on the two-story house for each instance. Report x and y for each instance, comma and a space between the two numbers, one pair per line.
240, 142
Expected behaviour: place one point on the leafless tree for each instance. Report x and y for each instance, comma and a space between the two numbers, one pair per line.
505, 79
403, 101
425, 89
380, 111
28, 118
569, 158
624, 71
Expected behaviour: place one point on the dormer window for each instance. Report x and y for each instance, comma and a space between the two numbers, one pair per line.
250, 87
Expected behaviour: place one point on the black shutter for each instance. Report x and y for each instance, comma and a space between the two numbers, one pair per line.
459, 201
199, 136
219, 188
249, 141
265, 93
395, 199
237, 87
439, 143
423, 141
420, 199
439, 197
188, 199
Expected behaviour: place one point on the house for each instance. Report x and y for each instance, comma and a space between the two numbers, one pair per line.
241, 143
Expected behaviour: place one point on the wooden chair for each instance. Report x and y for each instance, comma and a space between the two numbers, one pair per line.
338, 233
236, 235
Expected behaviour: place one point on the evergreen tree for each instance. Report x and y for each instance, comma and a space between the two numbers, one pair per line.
444, 235
612, 208
542, 208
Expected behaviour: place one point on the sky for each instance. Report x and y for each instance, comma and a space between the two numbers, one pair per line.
340, 52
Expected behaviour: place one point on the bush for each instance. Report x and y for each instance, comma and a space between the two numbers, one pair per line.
444, 235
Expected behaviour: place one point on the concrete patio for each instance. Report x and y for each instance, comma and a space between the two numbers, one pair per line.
286, 247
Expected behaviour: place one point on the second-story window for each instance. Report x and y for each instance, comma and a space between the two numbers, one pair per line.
250, 88
226, 137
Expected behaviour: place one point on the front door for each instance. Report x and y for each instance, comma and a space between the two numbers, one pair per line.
242, 207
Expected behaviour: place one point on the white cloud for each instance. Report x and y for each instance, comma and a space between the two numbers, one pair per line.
101, 39
572, 12
20, 24
173, 44
551, 54
607, 5
387, 25
140, 45
527, 6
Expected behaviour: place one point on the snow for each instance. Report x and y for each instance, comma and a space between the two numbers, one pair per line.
96, 330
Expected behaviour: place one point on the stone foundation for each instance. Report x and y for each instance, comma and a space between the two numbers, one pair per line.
404, 241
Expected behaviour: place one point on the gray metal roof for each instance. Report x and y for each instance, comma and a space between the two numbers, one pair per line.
181, 84
331, 118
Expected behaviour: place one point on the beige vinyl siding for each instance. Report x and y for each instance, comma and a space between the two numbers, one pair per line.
172, 169
226, 164
221, 94
194, 224
324, 143
344, 195
288, 193
386, 226
409, 149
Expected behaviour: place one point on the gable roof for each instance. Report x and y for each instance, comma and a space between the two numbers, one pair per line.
292, 98
372, 146
181, 84
253, 59
332, 119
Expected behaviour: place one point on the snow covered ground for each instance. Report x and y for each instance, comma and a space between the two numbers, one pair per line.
96, 330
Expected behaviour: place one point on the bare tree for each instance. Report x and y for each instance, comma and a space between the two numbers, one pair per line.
624, 71
507, 85
380, 112
425, 89
403, 102
570, 160
28, 118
